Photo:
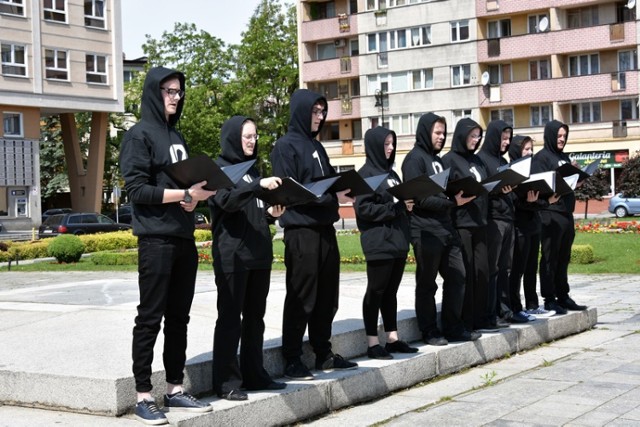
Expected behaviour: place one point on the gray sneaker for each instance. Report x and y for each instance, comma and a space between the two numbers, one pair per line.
147, 411
184, 402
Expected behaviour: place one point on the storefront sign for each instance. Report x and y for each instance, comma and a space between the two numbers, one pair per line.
608, 159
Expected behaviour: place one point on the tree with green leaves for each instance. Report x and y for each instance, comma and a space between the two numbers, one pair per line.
593, 188
629, 180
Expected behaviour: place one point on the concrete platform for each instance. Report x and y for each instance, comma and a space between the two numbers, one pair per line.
66, 336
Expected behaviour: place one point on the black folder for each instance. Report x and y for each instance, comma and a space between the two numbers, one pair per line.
568, 169
190, 171
469, 187
421, 186
291, 192
566, 184
544, 183
511, 174
351, 179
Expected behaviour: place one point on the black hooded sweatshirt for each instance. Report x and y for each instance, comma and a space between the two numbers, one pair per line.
430, 215
550, 159
463, 162
382, 221
299, 155
147, 148
241, 236
500, 205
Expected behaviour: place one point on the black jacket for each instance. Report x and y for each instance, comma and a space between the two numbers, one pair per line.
147, 148
549, 159
299, 155
431, 216
527, 218
500, 205
241, 236
463, 162
382, 221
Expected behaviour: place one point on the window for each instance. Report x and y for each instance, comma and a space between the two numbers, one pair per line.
383, 4
56, 64
323, 10
586, 112
504, 114
96, 69
627, 60
12, 124
354, 47
94, 13
623, 13
399, 39
328, 89
422, 79
55, 10
629, 109
584, 64
501, 28
355, 87
326, 51
461, 75
12, 7
534, 23
356, 125
14, 60
330, 131
459, 114
459, 30
582, 17
401, 124
499, 73
539, 70
540, 115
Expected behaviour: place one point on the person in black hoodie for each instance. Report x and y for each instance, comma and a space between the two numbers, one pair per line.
557, 225
384, 235
436, 243
312, 257
527, 238
471, 222
242, 258
500, 225
164, 222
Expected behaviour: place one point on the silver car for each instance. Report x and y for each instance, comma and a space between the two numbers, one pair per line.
622, 205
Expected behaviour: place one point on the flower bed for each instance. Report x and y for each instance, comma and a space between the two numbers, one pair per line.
628, 227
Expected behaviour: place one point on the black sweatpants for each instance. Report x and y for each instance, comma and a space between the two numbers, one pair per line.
312, 260
167, 268
556, 239
433, 256
242, 300
383, 281
524, 268
500, 243
474, 249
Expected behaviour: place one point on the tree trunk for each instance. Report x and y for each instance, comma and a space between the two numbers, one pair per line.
586, 208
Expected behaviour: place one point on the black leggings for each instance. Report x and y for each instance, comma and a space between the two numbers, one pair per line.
383, 280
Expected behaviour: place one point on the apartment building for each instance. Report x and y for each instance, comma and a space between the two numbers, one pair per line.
58, 57
389, 61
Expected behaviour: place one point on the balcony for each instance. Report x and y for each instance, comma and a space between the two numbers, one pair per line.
328, 29
331, 69
346, 107
563, 90
565, 41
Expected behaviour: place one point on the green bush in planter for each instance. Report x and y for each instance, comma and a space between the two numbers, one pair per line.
66, 248
582, 254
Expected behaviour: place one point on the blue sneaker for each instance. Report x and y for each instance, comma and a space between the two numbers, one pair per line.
147, 411
184, 402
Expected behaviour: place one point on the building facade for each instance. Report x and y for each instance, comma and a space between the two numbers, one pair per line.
390, 61
57, 58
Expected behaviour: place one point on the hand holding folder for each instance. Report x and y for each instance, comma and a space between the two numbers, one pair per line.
469, 187
352, 180
512, 174
421, 186
291, 192
190, 171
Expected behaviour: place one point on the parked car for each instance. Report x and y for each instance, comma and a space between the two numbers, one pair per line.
124, 214
46, 214
622, 206
79, 223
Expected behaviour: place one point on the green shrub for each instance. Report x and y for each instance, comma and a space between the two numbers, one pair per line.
29, 250
66, 248
202, 235
109, 241
115, 258
582, 254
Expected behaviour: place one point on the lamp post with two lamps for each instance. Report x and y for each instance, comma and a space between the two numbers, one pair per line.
379, 95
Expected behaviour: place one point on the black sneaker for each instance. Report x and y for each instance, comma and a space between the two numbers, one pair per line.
147, 411
502, 324
296, 370
570, 304
400, 346
184, 402
519, 317
234, 395
554, 306
377, 352
434, 338
465, 336
334, 362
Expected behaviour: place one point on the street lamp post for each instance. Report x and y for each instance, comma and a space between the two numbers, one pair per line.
379, 94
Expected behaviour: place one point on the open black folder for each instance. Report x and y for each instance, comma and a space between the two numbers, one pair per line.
568, 169
469, 187
512, 174
421, 186
351, 179
291, 192
190, 171
544, 183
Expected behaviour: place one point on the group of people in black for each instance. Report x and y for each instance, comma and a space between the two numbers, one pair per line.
469, 241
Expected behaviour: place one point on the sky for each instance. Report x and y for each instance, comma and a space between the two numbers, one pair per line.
153, 17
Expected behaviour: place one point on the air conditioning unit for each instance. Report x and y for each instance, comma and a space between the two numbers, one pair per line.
339, 42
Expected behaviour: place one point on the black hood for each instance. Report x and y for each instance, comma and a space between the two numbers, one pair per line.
152, 106
424, 130
515, 148
551, 135
374, 148
231, 140
463, 129
300, 108
493, 138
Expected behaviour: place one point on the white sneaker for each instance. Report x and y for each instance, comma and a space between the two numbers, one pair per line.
541, 312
